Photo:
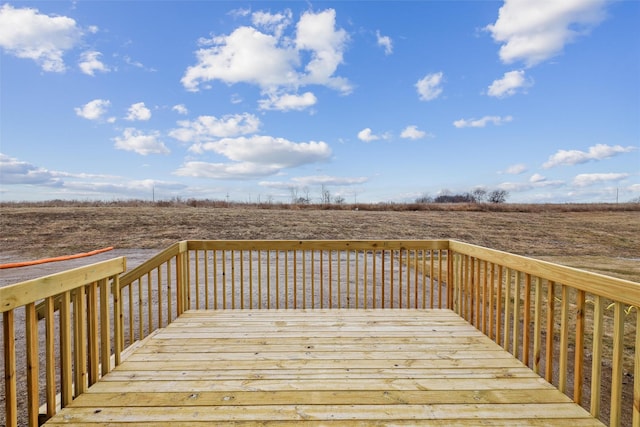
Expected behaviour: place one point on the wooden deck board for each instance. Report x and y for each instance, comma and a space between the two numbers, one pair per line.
362, 367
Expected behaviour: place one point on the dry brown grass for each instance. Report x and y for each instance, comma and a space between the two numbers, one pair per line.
602, 238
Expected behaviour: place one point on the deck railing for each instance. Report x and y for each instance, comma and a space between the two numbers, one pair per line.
68, 338
553, 318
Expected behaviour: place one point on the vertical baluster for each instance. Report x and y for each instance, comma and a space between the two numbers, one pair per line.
65, 350
507, 309
33, 402
564, 339
321, 279
50, 356
331, 278
105, 330
197, 278
206, 281
499, 306
169, 296
382, 277
313, 291
492, 311
242, 279
92, 317
400, 278
596, 357
286, 280
10, 388
391, 276
516, 315
537, 326
578, 365
550, 344
526, 335
356, 276
616, 369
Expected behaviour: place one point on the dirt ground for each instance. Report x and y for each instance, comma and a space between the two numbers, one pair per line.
603, 241
606, 241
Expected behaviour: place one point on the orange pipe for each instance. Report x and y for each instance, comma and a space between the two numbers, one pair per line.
54, 259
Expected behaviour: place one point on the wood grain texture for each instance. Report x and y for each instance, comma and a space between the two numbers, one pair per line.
346, 367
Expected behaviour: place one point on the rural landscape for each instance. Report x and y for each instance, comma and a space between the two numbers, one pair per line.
602, 238
598, 237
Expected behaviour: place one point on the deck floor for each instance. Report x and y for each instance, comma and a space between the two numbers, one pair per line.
354, 367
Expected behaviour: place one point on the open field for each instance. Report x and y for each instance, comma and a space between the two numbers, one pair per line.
601, 238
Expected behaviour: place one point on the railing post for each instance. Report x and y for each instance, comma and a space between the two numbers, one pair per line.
450, 276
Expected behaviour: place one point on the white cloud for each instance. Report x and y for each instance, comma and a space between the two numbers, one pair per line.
535, 182
385, 42
245, 55
412, 132
574, 157
206, 128
367, 135
317, 33
26, 33
480, 123
253, 157
288, 102
138, 111
634, 188
180, 109
90, 63
267, 150
586, 179
14, 171
536, 177
430, 86
245, 170
274, 61
516, 169
141, 143
305, 181
509, 84
272, 22
534, 31
93, 110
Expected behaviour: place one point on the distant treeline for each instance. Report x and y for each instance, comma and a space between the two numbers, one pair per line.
478, 195
443, 203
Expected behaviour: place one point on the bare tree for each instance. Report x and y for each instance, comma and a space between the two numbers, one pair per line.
498, 196
326, 195
479, 194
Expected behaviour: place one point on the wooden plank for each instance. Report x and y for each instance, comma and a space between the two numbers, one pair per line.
574, 422
336, 412
367, 367
316, 397
322, 373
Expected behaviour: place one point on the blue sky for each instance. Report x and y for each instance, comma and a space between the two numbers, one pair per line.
377, 101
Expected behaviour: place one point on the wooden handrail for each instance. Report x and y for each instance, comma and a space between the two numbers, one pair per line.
539, 311
572, 300
85, 304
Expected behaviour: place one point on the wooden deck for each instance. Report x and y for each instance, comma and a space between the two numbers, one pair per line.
354, 367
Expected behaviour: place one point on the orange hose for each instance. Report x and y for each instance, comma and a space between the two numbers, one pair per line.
54, 259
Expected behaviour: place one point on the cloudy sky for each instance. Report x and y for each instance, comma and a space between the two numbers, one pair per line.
377, 101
